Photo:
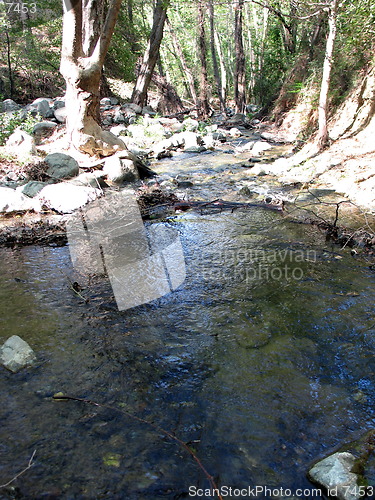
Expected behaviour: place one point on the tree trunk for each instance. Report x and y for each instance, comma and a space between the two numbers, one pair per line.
170, 103
86, 38
240, 74
213, 55
223, 71
203, 105
323, 139
186, 70
151, 55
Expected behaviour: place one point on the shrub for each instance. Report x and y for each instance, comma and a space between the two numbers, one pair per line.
10, 121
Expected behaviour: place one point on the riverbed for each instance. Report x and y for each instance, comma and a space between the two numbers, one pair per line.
262, 361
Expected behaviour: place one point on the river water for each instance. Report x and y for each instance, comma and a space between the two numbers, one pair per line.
262, 361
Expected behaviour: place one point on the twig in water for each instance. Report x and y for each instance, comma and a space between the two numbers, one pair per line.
29, 465
61, 397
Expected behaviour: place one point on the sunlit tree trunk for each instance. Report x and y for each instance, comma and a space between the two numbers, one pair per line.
186, 70
203, 105
223, 71
322, 139
87, 31
151, 55
240, 74
215, 65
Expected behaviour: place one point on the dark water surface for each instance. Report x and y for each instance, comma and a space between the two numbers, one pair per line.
263, 361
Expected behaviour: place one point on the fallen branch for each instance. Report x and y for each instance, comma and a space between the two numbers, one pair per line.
29, 465
61, 397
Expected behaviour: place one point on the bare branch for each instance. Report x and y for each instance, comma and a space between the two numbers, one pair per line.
29, 465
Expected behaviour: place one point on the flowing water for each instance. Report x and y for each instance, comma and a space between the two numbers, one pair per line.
262, 361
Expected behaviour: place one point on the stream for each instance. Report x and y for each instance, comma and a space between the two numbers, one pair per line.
262, 360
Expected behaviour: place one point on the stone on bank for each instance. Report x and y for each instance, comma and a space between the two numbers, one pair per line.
15, 354
335, 474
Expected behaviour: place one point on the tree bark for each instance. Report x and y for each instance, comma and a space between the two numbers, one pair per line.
186, 70
86, 37
151, 55
215, 65
240, 74
170, 103
203, 105
323, 139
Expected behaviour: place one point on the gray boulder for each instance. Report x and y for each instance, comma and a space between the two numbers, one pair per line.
147, 110
41, 106
58, 104
335, 474
15, 354
120, 170
43, 128
118, 117
106, 101
61, 166
66, 197
9, 105
134, 108
32, 188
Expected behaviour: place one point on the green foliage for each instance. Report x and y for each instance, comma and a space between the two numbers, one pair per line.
10, 121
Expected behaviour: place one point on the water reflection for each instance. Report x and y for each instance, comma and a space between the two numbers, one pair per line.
260, 373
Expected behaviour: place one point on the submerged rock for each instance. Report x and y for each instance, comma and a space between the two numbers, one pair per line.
15, 354
335, 474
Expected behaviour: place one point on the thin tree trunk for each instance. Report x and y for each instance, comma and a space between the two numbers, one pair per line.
240, 75
10, 70
213, 55
223, 70
186, 70
151, 55
203, 105
323, 139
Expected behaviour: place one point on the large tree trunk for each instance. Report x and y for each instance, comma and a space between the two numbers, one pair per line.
240, 74
151, 55
323, 139
86, 38
203, 105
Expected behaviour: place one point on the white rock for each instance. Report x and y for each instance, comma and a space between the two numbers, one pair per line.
119, 170
117, 129
259, 147
60, 114
334, 472
66, 197
14, 201
21, 143
15, 354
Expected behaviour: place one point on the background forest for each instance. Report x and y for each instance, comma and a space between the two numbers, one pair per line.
265, 54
